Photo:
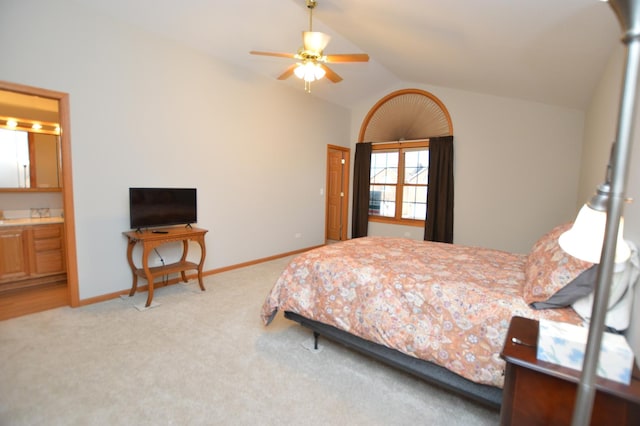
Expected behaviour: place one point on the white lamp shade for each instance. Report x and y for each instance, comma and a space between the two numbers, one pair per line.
315, 41
585, 238
299, 71
319, 72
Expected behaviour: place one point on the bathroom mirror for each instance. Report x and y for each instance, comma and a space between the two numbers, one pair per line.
29, 143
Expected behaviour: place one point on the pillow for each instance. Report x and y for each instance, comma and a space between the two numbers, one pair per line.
580, 287
549, 268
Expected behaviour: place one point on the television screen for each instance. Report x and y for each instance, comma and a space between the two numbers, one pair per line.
149, 207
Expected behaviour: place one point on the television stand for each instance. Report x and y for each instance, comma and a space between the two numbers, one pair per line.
150, 239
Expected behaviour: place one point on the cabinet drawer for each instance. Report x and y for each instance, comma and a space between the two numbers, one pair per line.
49, 263
47, 244
51, 231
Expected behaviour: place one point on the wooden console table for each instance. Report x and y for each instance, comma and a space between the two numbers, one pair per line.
150, 239
541, 393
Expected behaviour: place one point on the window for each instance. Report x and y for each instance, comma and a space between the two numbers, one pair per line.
398, 182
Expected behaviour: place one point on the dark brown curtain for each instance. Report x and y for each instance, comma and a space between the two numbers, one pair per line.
439, 223
361, 173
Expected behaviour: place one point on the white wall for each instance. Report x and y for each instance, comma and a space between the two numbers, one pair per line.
516, 168
150, 112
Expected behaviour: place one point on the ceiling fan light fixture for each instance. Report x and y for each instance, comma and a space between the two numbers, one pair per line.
309, 71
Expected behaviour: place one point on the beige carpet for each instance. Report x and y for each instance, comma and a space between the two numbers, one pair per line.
202, 358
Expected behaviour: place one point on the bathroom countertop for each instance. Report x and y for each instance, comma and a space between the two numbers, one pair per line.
30, 221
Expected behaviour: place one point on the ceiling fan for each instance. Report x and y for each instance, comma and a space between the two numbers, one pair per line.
311, 65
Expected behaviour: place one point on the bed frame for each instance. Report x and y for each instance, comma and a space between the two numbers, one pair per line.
432, 373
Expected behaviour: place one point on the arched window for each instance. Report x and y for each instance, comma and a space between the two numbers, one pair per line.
409, 114
399, 127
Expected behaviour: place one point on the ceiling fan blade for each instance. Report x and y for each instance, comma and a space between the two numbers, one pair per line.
288, 72
315, 41
278, 54
330, 74
347, 57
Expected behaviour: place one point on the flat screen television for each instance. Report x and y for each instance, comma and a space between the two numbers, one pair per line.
152, 207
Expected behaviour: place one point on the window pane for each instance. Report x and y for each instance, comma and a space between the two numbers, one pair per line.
416, 166
384, 167
414, 202
382, 200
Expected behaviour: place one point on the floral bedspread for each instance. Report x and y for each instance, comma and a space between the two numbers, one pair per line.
444, 303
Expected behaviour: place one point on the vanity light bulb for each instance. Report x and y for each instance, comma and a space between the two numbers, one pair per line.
12, 123
36, 126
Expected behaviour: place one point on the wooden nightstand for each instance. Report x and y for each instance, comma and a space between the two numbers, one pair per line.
541, 393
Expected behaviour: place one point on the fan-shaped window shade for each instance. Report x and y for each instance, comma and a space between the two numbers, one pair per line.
408, 114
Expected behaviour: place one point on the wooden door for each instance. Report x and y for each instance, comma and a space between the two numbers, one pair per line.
337, 192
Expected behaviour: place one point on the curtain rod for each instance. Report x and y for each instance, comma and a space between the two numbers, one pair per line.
402, 141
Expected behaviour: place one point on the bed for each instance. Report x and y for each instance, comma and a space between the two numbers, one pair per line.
439, 311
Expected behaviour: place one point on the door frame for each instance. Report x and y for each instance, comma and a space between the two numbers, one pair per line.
344, 200
67, 182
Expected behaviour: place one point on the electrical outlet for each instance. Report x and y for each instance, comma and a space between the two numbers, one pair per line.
298, 235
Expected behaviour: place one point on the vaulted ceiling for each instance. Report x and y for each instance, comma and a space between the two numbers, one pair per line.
550, 51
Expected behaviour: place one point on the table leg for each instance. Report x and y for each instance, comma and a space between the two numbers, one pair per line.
147, 272
134, 285
185, 250
203, 254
